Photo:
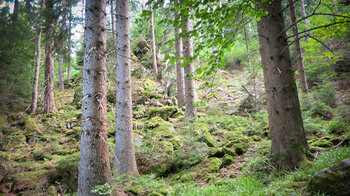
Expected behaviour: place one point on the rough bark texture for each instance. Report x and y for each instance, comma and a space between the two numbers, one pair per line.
298, 51
94, 167
125, 162
154, 54
285, 123
179, 70
49, 99
60, 71
190, 88
34, 104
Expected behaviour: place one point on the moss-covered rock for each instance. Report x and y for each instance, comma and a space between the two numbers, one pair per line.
29, 180
228, 151
213, 165
164, 112
155, 194
240, 148
64, 97
228, 160
157, 126
217, 152
40, 154
332, 181
66, 173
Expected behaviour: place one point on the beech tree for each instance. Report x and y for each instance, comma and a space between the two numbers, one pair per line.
50, 20
190, 88
94, 166
298, 51
125, 162
289, 143
179, 69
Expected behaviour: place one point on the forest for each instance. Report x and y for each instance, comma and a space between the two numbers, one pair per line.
174, 97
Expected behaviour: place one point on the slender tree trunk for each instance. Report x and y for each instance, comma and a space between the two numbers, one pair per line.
125, 162
289, 144
246, 38
304, 15
154, 53
60, 71
94, 166
49, 99
298, 51
113, 25
190, 88
62, 46
37, 65
179, 69
69, 43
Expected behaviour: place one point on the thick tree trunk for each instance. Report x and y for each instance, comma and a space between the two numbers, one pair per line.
154, 53
125, 162
285, 122
49, 99
60, 72
190, 88
34, 104
94, 167
179, 70
298, 51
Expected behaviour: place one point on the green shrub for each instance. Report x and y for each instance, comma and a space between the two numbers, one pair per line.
326, 93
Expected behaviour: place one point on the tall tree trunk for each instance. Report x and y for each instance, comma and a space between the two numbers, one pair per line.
62, 45
60, 71
298, 51
304, 15
34, 104
154, 54
190, 88
179, 69
289, 144
94, 166
125, 162
113, 26
49, 99
69, 42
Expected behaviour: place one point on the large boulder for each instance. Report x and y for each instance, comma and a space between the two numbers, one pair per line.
332, 181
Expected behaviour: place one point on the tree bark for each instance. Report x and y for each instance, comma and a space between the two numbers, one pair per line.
125, 162
49, 99
60, 71
289, 144
94, 166
113, 26
298, 51
190, 88
154, 53
179, 69
69, 42
34, 104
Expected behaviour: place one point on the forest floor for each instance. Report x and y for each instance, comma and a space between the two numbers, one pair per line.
224, 152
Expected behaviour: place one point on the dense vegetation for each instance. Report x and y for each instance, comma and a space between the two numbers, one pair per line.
225, 151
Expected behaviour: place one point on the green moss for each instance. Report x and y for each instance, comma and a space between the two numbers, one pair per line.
30, 126
155, 194
323, 142
150, 84
256, 138
228, 151
67, 172
164, 112
51, 191
161, 128
29, 180
39, 154
134, 190
228, 160
213, 165
3, 120
338, 127
217, 152
64, 97
208, 139
240, 148
238, 139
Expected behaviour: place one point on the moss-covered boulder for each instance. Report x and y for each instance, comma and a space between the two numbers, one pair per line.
213, 165
332, 181
64, 97
228, 160
158, 127
164, 112
66, 173
29, 180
